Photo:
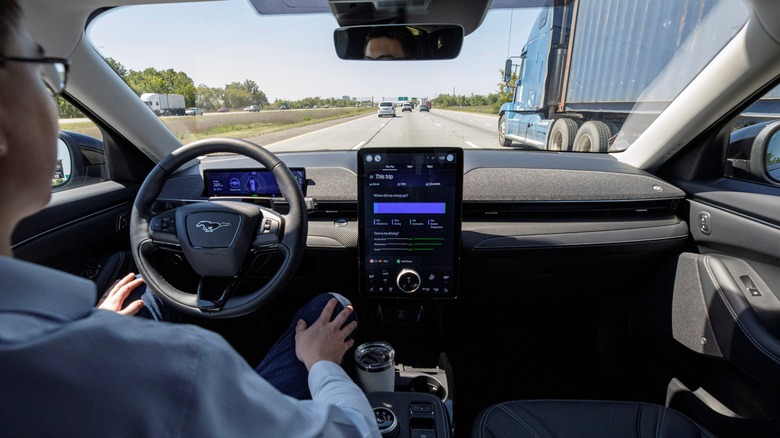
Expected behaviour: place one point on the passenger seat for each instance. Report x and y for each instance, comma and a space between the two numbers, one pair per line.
578, 418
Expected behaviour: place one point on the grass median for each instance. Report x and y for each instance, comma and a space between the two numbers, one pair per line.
235, 125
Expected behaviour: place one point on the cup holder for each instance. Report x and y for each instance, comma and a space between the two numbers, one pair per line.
428, 385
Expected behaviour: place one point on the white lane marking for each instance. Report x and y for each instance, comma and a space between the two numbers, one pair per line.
359, 145
318, 131
438, 124
488, 124
472, 144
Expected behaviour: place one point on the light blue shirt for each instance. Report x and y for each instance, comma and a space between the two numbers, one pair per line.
67, 369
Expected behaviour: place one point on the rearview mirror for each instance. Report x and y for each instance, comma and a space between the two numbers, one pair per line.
398, 42
508, 70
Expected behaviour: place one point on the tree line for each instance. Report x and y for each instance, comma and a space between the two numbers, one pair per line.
237, 95
170, 81
319, 102
506, 91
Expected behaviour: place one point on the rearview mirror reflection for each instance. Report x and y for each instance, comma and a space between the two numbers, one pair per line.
398, 42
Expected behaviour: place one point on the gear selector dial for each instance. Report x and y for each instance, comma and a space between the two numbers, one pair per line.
408, 280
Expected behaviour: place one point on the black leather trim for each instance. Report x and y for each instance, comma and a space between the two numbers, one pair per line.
562, 418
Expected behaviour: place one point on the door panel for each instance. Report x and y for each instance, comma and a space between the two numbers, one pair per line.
713, 316
83, 231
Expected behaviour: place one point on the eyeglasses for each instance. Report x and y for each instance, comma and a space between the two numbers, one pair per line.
54, 72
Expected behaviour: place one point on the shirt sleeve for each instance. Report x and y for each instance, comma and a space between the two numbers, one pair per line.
328, 383
226, 397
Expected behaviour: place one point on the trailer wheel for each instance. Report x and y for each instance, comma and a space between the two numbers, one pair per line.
502, 140
593, 136
562, 135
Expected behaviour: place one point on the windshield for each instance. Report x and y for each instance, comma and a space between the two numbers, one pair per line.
565, 78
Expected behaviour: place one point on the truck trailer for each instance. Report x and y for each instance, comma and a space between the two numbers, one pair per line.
586, 65
164, 104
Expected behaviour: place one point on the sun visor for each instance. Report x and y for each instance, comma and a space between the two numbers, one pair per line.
272, 7
467, 13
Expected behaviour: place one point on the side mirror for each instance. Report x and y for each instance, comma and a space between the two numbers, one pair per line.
771, 156
398, 42
508, 70
64, 169
764, 161
81, 160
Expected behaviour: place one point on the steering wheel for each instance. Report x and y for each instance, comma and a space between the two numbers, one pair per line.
218, 238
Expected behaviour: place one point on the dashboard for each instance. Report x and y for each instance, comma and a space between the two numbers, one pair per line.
518, 212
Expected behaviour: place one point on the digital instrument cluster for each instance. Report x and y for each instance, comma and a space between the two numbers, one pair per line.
248, 182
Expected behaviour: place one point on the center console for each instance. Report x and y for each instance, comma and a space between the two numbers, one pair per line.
409, 216
407, 401
400, 414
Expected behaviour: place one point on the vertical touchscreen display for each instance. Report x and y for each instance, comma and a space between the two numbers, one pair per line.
410, 206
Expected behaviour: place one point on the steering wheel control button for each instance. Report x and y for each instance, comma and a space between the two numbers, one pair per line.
408, 280
212, 229
386, 421
164, 223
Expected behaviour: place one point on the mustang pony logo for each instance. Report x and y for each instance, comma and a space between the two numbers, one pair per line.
210, 227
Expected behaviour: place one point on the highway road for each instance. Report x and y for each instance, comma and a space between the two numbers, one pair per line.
434, 128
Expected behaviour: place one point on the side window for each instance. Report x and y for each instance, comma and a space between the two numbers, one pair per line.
81, 156
542, 21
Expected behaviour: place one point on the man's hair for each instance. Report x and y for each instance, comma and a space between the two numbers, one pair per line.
401, 34
9, 19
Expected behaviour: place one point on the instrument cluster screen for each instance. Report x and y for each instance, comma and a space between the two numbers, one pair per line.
248, 182
410, 221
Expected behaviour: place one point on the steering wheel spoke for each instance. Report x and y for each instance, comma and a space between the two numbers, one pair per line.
213, 292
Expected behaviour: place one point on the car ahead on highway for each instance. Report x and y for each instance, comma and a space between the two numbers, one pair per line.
648, 272
193, 111
386, 108
425, 108
406, 107
223, 109
252, 108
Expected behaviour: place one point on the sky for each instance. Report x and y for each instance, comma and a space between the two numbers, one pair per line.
292, 57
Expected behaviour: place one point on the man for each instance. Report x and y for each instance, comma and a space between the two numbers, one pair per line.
69, 369
389, 43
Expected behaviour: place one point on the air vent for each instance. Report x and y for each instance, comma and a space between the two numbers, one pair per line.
335, 210
417, 4
504, 211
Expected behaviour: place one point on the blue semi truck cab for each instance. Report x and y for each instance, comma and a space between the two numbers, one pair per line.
528, 117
